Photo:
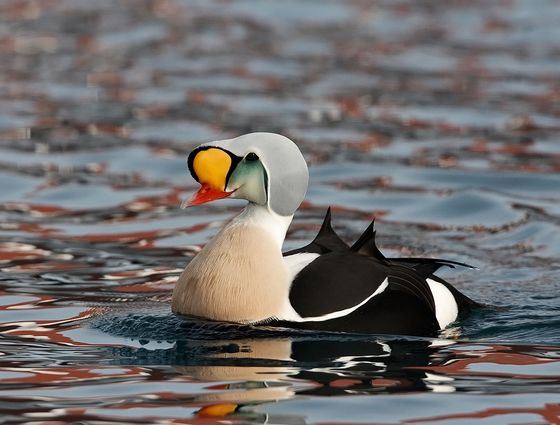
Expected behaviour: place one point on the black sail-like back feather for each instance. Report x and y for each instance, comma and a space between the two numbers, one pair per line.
326, 240
425, 267
366, 245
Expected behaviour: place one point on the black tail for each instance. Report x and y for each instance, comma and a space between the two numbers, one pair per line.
428, 266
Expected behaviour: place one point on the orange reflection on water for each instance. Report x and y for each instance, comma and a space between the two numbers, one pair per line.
39, 376
44, 267
45, 330
156, 282
48, 330
37, 210
10, 251
18, 256
493, 354
152, 203
550, 413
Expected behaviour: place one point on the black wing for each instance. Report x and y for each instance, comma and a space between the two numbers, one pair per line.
405, 279
335, 281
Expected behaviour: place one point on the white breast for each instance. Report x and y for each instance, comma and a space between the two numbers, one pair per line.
446, 306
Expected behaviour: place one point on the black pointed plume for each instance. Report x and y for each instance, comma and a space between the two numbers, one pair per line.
366, 244
326, 240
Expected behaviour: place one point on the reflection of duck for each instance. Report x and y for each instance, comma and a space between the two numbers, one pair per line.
218, 365
242, 276
321, 366
330, 362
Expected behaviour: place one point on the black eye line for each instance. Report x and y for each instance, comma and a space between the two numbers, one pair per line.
234, 161
251, 156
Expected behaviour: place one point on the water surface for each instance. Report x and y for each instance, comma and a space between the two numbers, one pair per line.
442, 120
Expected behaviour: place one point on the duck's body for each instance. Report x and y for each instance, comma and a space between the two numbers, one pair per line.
242, 276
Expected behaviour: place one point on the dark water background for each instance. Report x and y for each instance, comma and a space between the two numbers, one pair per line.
442, 119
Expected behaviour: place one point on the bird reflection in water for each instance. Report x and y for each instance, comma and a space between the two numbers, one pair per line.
246, 370
268, 370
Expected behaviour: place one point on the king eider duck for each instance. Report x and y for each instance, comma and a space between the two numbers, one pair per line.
242, 276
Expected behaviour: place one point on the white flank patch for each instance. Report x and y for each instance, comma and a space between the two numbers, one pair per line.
446, 306
297, 262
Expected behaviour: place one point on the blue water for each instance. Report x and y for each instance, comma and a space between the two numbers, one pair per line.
441, 119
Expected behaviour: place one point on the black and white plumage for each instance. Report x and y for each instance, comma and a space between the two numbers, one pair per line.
358, 288
242, 276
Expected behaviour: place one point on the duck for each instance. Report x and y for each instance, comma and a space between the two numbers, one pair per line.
243, 276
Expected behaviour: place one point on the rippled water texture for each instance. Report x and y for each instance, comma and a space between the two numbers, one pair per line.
441, 118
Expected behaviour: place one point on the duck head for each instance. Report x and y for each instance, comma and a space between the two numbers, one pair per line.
266, 169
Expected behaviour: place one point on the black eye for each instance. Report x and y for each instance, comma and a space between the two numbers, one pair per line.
252, 157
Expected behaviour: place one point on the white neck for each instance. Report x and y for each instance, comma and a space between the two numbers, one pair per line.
258, 215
